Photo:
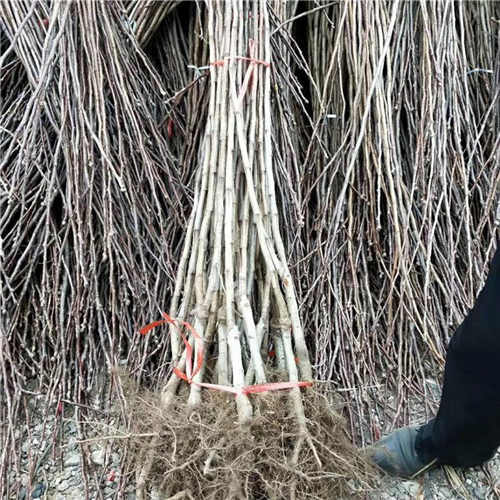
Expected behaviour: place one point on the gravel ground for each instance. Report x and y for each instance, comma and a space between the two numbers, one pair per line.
59, 476
445, 484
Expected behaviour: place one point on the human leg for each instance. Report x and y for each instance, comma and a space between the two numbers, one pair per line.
466, 430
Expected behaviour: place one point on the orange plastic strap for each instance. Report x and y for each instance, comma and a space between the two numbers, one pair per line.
188, 377
275, 386
242, 58
253, 389
147, 328
189, 348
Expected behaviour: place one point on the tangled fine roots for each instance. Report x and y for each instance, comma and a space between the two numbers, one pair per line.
207, 454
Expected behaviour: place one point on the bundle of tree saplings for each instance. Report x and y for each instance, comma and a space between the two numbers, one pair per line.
400, 194
87, 178
309, 190
235, 302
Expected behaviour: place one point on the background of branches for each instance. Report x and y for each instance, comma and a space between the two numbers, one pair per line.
386, 136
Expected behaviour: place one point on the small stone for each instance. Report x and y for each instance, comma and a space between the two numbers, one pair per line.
38, 490
479, 494
108, 492
24, 479
63, 486
97, 457
115, 458
445, 492
351, 484
411, 487
73, 481
70, 428
72, 460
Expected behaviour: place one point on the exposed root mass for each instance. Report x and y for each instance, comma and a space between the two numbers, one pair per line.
208, 454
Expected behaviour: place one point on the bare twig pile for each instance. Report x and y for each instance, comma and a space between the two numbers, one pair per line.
87, 181
152, 158
401, 187
234, 285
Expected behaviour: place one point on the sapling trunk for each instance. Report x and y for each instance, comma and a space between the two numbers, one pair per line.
234, 229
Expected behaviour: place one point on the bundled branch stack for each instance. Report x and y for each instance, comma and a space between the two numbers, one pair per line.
401, 190
235, 288
289, 177
233, 249
87, 181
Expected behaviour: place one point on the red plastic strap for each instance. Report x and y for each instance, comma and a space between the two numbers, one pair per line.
275, 386
147, 328
189, 347
180, 374
242, 58
253, 389
188, 377
256, 61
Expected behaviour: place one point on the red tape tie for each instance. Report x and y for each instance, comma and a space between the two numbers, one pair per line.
190, 373
242, 58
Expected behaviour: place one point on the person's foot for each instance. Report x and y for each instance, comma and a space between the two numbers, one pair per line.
395, 454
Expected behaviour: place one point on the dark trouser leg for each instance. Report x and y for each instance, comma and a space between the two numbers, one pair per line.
466, 430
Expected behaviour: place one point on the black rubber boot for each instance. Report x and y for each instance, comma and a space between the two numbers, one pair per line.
396, 455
